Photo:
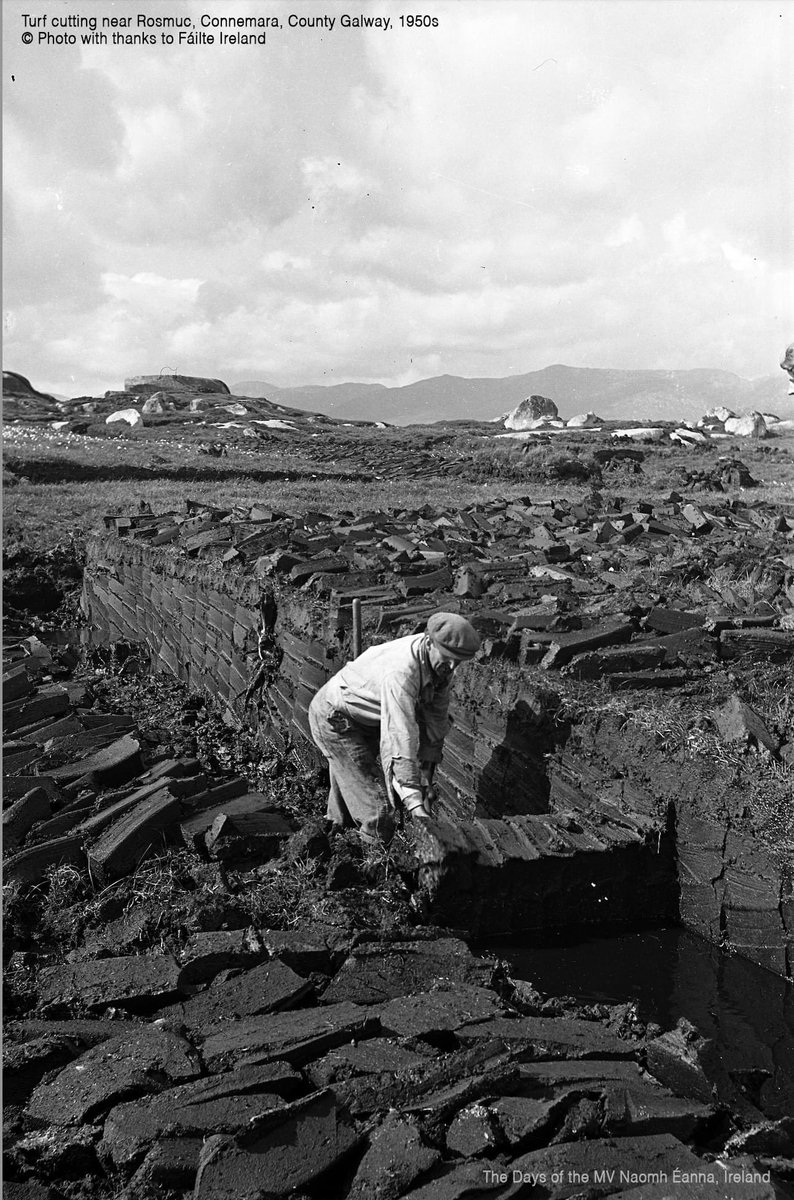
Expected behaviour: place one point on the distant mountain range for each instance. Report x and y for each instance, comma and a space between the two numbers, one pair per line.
611, 394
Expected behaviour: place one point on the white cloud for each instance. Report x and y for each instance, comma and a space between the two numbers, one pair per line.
630, 229
153, 294
742, 262
605, 184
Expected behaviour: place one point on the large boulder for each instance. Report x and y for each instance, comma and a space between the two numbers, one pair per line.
749, 425
156, 403
718, 413
689, 437
584, 421
530, 410
130, 415
191, 384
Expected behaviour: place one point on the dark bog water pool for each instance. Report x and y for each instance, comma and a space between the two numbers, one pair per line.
749, 1012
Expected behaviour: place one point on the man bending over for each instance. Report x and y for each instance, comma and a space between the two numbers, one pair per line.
392, 701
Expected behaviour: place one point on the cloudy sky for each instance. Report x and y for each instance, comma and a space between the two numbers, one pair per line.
603, 183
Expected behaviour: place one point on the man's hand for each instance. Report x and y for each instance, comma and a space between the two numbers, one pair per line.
429, 793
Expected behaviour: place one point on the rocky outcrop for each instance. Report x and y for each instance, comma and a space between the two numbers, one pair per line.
177, 384
529, 411
18, 386
21, 401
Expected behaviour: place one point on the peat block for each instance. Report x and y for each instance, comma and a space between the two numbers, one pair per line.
377, 1056
267, 988
108, 767
433, 1012
288, 1150
689, 648
396, 1157
26, 1063
563, 647
474, 1177
195, 827
133, 836
147, 1060
297, 1037
551, 1037
222, 1104
520, 1118
207, 954
620, 1160
23, 814
304, 950
246, 837
773, 645
473, 1131
14, 787
50, 701
86, 1033
171, 1163
30, 865
644, 1109
59, 1152
29, 1189
437, 1088
592, 665
110, 981
578, 1072
377, 972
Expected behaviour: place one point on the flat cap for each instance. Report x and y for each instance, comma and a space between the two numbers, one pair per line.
453, 634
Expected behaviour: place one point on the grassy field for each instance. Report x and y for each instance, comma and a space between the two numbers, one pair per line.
59, 486
69, 483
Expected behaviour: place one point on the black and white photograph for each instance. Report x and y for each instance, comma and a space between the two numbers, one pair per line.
398, 599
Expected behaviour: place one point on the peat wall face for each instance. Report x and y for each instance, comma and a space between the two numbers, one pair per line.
734, 889
540, 827
203, 623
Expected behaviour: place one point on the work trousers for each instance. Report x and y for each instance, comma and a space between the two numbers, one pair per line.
358, 797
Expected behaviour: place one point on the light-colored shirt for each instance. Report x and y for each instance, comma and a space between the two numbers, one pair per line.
393, 685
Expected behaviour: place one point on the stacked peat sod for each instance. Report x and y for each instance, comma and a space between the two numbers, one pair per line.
261, 1064
79, 788
574, 588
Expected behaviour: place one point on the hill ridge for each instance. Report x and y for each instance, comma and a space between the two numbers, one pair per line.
613, 393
